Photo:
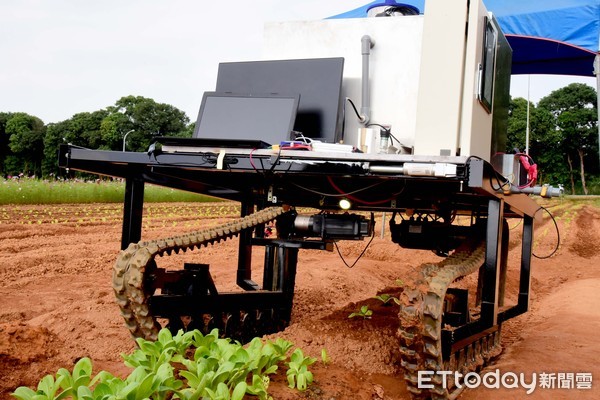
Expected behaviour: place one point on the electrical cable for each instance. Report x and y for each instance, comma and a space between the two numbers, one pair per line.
502, 182
557, 235
190, 164
252, 161
337, 194
516, 226
304, 139
359, 201
396, 139
343, 132
348, 100
360, 118
276, 161
360, 255
389, 132
501, 185
507, 182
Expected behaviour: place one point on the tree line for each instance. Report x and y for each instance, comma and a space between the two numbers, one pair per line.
563, 135
563, 138
30, 147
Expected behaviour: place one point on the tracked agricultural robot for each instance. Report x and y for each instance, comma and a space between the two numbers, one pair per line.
398, 114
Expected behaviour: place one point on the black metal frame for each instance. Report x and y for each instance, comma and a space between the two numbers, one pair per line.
494, 273
254, 178
132, 211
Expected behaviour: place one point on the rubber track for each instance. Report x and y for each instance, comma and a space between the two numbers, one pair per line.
137, 261
420, 329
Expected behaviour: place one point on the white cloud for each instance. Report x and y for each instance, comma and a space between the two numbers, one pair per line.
61, 57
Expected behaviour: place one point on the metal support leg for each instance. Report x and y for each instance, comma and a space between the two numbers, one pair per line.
269, 276
525, 277
132, 212
489, 304
526, 251
287, 260
503, 262
244, 271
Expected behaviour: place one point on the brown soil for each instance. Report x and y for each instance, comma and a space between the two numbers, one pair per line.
57, 302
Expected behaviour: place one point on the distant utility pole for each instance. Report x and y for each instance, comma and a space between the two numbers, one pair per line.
527, 127
125, 137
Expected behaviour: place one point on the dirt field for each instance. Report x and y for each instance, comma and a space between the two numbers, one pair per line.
57, 303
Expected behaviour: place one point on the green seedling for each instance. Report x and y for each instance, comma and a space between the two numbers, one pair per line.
325, 357
363, 312
386, 298
298, 374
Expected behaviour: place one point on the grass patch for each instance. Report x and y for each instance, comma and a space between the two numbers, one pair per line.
35, 191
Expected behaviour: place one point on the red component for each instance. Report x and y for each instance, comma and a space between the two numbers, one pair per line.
531, 169
295, 145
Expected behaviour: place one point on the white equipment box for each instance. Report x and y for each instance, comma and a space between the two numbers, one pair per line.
429, 81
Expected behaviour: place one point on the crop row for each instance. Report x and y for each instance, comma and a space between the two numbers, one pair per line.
23, 190
154, 213
218, 369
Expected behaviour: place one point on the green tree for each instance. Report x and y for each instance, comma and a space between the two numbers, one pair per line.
542, 139
26, 141
4, 141
144, 119
82, 129
189, 130
575, 115
517, 124
56, 133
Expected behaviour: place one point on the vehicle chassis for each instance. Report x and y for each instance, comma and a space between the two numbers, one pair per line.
264, 177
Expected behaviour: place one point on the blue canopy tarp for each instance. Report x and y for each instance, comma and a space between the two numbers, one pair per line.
547, 37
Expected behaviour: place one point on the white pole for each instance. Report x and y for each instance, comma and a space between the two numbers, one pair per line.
125, 138
527, 127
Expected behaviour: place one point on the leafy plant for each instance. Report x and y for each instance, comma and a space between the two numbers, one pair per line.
218, 370
152, 355
47, 389
80, 377
298, 374
363, 312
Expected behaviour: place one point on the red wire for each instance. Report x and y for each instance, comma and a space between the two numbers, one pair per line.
531, 170
252, 161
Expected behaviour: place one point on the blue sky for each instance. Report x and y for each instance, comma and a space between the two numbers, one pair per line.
62, 57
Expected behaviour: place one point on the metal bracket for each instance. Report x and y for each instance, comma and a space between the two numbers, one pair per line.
270, 197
